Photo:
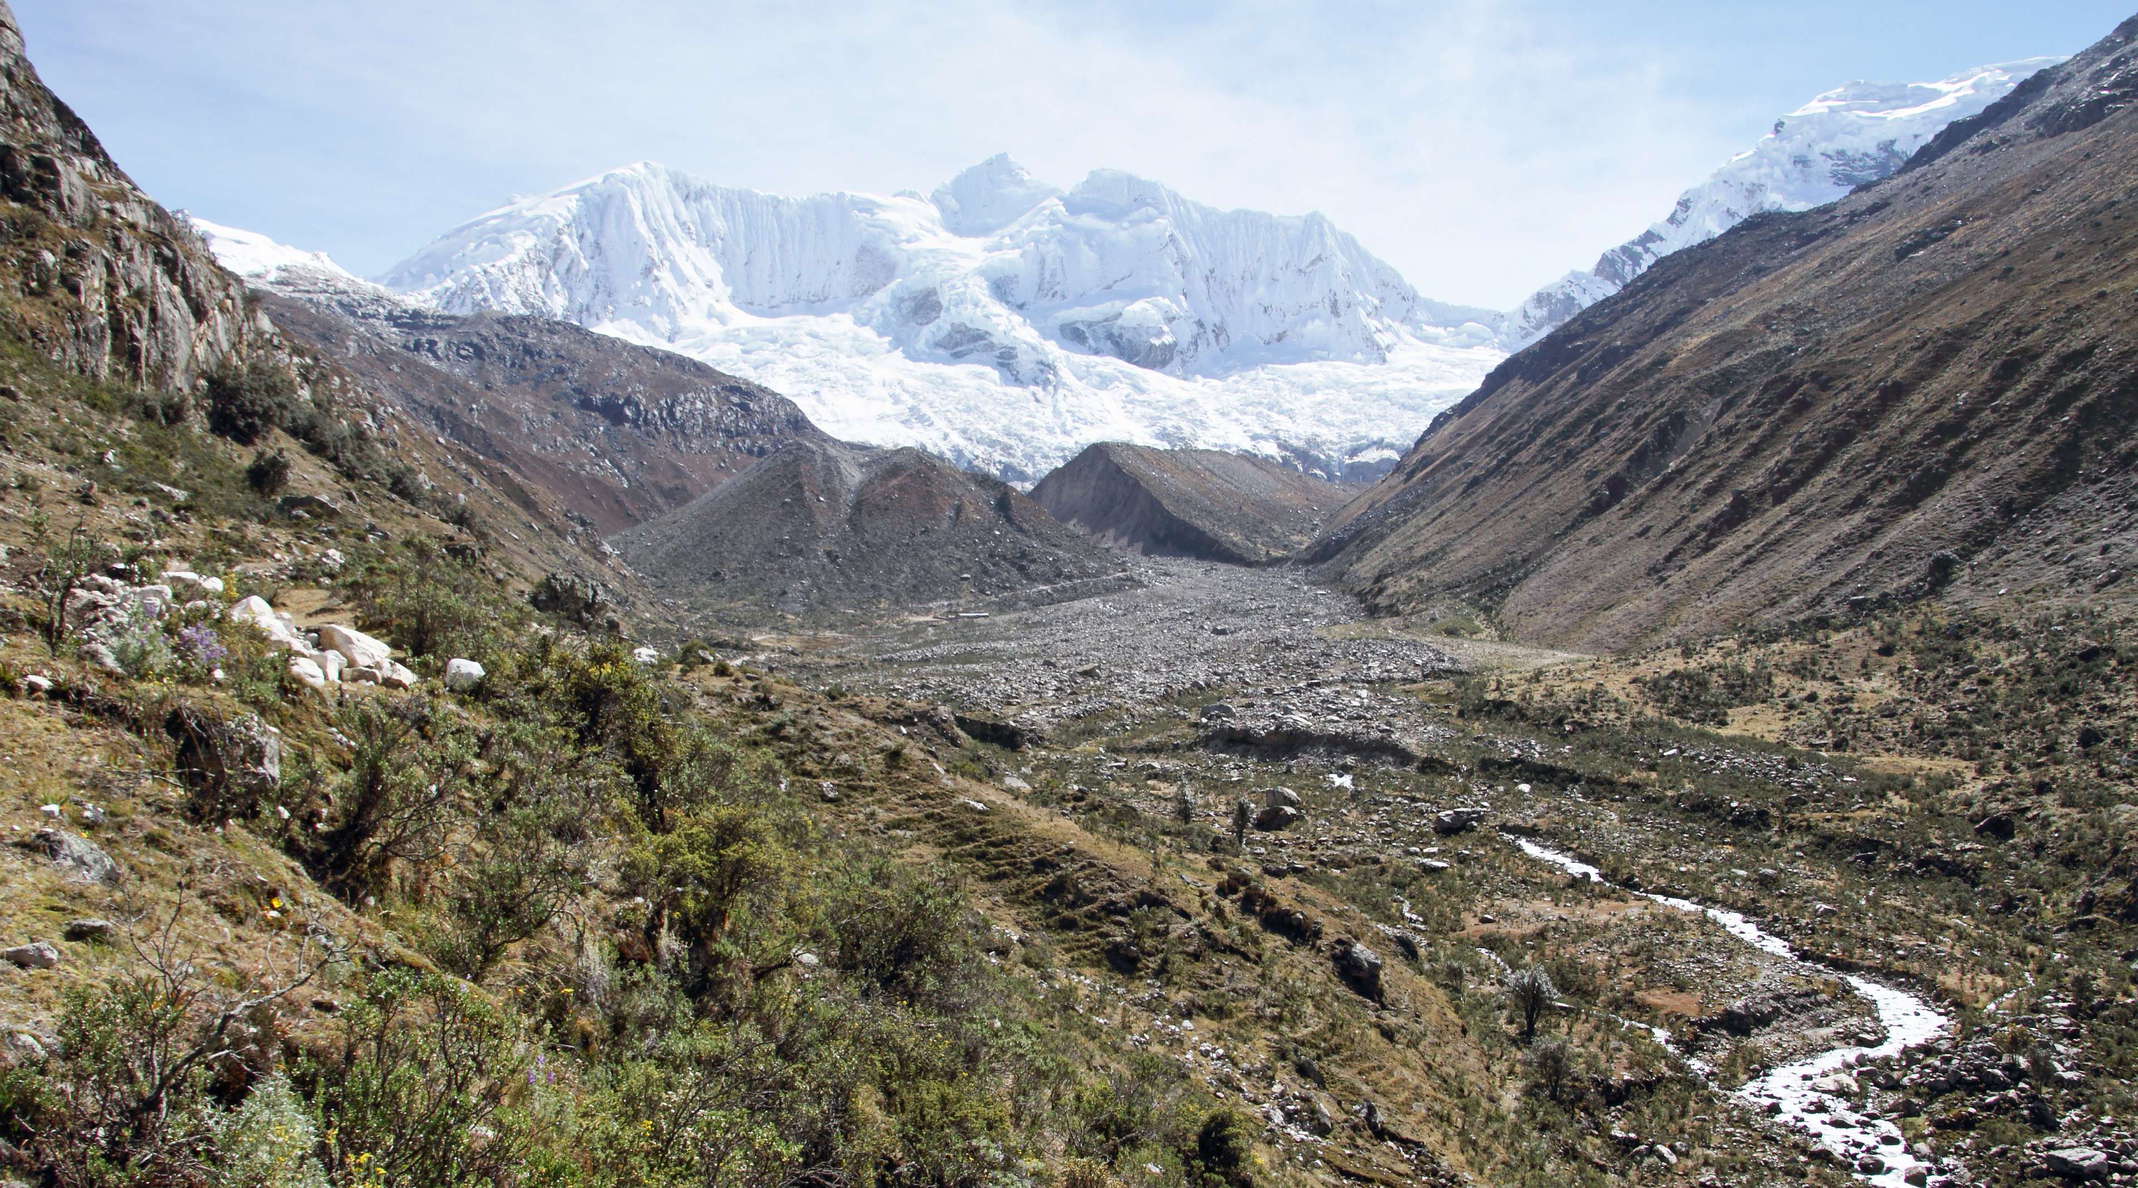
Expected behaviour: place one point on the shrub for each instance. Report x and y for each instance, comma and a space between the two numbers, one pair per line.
268, 1142
138, 642
700, 1106
269, 473
1550, 1060
1224, 1147
433, 603
63, 566
129, 1097
244, 404
716, 861
899, 931
1530, 991
396, 798
419, 1089
124, 1102
511, 880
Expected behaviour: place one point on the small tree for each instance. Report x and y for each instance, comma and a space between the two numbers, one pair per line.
1551, 1059
245, 403
65, 564
1530, 991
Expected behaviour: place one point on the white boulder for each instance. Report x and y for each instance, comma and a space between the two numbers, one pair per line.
185, 581
645, 655
306, 669
393, 676
462, 675
361, 649
279, 630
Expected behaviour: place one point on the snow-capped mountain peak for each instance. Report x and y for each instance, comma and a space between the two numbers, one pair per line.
989, 196
1843, 138
1000, 321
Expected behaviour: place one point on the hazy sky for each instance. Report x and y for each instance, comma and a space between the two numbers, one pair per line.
1484, 147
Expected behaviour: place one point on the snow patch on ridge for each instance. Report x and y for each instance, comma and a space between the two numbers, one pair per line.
255, 257
1847, 137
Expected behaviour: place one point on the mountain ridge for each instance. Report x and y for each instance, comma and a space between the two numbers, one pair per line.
620, 432
1842, 138
1204, 504
1117, 309
1901, 394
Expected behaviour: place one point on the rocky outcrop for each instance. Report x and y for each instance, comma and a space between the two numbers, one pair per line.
77, 855
819, 525
1205, 504
1923, 388
93, 273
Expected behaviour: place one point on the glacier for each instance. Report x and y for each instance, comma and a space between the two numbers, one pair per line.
999, 322
1844, 138
1004, 323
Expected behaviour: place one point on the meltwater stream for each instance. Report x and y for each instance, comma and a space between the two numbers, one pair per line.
1800, 1093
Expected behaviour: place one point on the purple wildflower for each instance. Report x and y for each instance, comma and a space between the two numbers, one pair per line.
202, 645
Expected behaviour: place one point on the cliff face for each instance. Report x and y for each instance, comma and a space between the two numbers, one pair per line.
97, 276
1206, 504
1925, 387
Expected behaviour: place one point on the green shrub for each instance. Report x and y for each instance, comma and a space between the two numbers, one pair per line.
126, 1099
421, 1087
398, 796
433, 603
900, 931
1225, 1147
513, 876
245, 404
268, 1142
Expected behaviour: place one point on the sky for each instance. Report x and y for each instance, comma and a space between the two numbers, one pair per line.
1483, 147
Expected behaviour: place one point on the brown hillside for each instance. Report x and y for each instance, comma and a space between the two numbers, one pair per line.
1925, 387
1206, 504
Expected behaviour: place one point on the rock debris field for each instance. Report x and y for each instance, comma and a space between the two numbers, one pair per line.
1192, 628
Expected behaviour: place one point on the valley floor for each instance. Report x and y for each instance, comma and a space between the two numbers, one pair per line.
1146, 715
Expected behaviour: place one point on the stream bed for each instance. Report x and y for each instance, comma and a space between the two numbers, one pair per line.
1811, 1096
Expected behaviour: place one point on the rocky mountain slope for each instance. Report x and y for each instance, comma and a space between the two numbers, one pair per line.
1847, 137
1923, 387
1205, 504
1002, 323
105, 288
819, 525
101, 279
621, 433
